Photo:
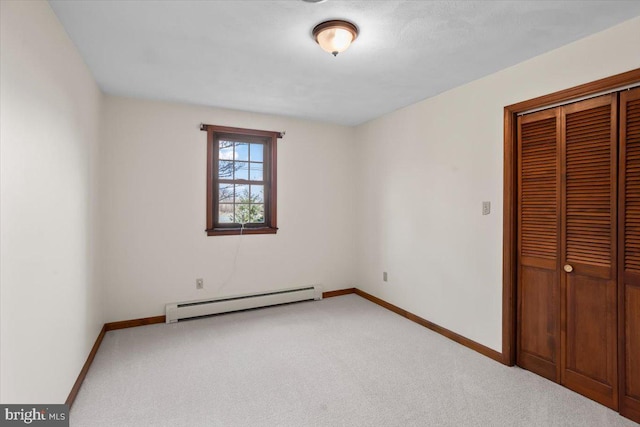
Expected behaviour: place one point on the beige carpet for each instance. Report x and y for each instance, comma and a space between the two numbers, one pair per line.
338, 362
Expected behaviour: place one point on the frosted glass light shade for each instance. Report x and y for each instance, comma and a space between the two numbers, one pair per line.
335, 36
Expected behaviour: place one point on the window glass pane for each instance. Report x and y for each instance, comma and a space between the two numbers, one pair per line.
242, 151
241, 170
258, 211
257, 194
257, 152
242, 194
225, 193
226, 150
255, 172
225, 169
243, 214
249, 214
225, 213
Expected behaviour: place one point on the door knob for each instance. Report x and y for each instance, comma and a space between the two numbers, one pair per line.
568, 268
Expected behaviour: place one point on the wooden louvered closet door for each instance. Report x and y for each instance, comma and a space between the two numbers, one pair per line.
567, 179
589, 231
629, 250
538, 333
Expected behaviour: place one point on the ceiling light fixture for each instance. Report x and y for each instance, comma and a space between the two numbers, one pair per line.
335, 36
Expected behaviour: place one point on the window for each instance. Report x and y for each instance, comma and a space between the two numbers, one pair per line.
241, 181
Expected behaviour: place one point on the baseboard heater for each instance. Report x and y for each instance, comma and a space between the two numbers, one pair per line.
190, 309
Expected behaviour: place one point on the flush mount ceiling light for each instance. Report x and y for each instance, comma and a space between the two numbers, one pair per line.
335, 36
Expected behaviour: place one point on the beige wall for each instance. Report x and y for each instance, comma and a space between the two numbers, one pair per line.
50, 312
433, 163
153, 214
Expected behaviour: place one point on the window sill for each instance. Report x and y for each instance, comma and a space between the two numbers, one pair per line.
239, 231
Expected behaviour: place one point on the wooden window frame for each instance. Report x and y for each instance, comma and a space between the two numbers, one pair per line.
509, 244
269, 139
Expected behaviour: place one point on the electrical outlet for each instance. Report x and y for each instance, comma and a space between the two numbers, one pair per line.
384, 276
199, 283
486, 208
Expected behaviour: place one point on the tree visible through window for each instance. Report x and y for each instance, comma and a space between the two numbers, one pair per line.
241, 181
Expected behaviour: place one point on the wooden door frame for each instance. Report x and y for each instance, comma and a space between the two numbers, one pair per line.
509, 243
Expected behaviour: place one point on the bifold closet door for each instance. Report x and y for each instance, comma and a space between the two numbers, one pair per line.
567, 234
588, 278
629, 250
538, 332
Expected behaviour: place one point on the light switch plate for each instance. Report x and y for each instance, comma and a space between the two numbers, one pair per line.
486, 208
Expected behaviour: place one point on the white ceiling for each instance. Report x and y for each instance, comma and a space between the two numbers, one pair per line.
259, 55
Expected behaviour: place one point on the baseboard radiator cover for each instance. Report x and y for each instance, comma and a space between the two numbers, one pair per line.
206, 307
